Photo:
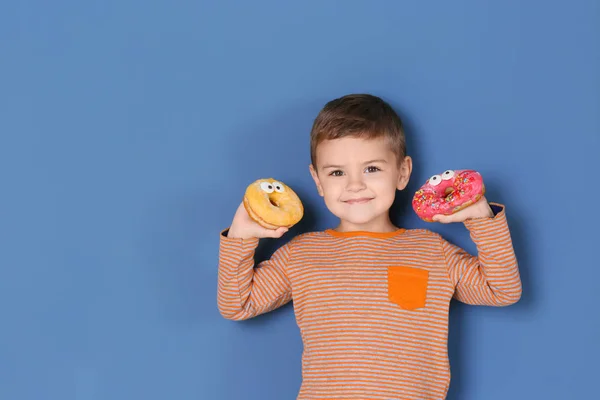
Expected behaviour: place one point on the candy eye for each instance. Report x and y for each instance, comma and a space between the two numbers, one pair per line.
449, 174
278, 187
267, 187
435, 180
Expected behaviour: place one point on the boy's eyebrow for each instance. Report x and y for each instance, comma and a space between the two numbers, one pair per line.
380, 160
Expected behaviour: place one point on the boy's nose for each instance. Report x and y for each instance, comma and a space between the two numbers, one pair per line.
355, 184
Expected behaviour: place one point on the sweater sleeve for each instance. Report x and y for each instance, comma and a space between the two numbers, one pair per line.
492, 278
244, 289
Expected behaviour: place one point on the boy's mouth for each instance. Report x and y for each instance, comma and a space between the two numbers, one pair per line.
361, 200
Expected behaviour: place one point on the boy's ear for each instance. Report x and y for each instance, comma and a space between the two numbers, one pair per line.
315, 177
404, 175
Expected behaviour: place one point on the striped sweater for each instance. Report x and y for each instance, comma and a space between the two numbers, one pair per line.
372, 307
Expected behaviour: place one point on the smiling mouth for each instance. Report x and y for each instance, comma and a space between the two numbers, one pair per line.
358, 201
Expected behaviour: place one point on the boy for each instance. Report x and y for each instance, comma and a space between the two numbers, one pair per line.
371, 299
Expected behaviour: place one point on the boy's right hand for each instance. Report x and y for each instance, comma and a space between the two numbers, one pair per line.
244, 227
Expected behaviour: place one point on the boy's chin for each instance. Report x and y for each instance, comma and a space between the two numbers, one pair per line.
357, 218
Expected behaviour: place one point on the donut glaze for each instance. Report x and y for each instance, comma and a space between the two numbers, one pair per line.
448, 193
272, 204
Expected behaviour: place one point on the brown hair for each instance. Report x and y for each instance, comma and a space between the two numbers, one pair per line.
358, 115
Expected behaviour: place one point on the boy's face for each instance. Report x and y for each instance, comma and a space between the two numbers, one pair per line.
358, 179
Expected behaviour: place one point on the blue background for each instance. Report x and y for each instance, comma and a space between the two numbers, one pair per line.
130, 129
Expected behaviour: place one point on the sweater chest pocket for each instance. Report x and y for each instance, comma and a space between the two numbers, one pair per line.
407, 286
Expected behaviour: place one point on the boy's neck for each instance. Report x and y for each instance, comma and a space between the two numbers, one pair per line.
380, 225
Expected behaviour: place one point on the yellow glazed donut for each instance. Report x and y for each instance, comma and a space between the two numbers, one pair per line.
272, 204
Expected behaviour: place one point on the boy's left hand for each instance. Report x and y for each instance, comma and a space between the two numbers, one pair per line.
481, 209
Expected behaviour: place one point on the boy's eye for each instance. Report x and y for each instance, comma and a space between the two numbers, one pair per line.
372, 169
336, 173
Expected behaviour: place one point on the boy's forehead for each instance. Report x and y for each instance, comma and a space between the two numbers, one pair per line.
345, 150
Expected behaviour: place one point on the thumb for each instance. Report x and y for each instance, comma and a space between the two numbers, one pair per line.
445, 219
275, 233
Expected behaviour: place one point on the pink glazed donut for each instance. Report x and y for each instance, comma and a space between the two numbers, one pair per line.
448, 193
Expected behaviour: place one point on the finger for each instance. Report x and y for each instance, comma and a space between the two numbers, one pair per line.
279, 232
439, 218
274, 233
445, 219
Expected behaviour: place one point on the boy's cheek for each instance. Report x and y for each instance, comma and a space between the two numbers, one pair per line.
332, 189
